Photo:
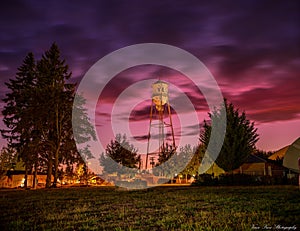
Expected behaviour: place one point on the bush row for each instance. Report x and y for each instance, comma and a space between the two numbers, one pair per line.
242, 179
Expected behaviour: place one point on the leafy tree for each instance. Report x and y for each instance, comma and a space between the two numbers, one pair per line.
165, 167
167, 152
240, 138
171, 162
193, 166
82, 172
118, 155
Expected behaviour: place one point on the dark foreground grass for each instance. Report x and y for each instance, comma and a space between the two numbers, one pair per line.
163, 208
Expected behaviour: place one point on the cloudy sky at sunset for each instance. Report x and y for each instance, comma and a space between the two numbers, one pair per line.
252, 48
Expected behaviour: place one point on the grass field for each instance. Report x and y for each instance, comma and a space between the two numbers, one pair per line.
162, 208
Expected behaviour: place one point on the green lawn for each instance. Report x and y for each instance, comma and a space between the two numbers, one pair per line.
162, 208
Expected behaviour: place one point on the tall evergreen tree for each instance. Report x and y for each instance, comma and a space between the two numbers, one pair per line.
56, 101
38, 115
18, 113
85, 132
240, 138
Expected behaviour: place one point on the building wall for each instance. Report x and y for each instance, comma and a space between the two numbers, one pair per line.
261, 169
256, 169
15, 181
276, 170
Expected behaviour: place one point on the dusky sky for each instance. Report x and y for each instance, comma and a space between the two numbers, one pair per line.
252, 48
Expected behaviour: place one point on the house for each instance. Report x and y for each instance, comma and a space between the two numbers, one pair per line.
291, 158
257, 166
16, 179
279, 154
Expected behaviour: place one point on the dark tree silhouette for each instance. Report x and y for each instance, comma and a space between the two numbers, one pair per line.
172, 162
8, 160
119, 153
19, 114
38, 115
167, 152
193, 166
240, 138
56, 98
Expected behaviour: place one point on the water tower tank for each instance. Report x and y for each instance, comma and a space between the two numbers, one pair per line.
162, 110
160, 94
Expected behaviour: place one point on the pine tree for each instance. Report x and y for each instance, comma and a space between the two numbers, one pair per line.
240, 138
56, 101
38, 115
18, 113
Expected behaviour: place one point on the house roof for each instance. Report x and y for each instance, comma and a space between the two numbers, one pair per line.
279, 154
255, 159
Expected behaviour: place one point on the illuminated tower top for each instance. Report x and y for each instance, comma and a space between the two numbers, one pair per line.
160, 94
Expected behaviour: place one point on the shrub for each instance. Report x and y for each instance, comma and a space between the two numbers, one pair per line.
164, 181
240, 179
205, 180
237, 179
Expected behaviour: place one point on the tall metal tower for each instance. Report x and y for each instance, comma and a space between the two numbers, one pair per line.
159, 110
